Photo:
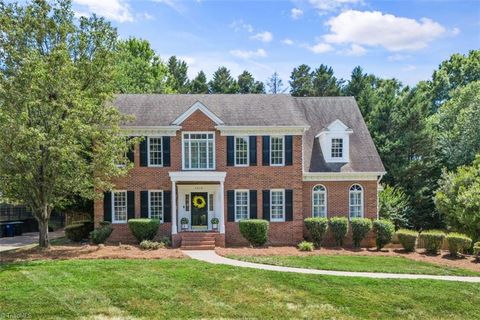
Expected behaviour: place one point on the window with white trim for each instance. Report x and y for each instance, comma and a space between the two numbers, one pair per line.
337, 148
356, 201
241, 204
277, 145
119, 206
210, 201
187, 202
319, 202
277, 205
241, 151
155, 156
198, 151
155, 205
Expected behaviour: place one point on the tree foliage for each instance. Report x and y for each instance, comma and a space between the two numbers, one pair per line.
275, 84
247, 84
177, 75
394, 205
199, 83
223, 82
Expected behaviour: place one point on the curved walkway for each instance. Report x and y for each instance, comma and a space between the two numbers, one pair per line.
211, 256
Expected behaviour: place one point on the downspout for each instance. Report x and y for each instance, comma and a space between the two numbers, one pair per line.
378, 190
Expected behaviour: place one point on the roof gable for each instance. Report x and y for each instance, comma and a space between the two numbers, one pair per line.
197, 106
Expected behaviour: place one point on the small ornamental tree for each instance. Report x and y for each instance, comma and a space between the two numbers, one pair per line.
60, 135
318, 229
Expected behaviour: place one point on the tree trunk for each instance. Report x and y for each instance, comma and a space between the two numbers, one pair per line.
43, 218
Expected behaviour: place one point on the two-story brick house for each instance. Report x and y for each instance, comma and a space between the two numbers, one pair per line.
235, 157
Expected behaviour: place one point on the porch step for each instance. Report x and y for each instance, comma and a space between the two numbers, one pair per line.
202, 247
198, 240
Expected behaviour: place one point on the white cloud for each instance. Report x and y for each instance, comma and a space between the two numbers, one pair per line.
374, 28
287, 41
398, 57
320, 48
174, 4
246, 54
324, 6
355, 50
238, 25
263, 36
117, 10
296, 13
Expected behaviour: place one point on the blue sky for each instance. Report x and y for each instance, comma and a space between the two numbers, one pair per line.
402, 39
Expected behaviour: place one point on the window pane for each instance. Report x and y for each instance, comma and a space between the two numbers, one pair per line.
277, 212
198, 151
337, 148
210, 202
241, 150
319, 202
276, 152
241, 205
355, 201
155, 151
156, 205
120, 206
187, 202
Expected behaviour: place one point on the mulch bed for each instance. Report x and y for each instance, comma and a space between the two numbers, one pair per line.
78, 251
444, 258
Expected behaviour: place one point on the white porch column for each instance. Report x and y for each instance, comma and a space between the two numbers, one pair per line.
222, 209
174, 208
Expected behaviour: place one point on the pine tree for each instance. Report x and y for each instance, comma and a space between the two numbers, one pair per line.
275, 84
324, 82
301, 81
199, 83
177, 75
222, 82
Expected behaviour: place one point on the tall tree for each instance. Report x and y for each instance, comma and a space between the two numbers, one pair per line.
60, 136
361, 86
247, 84
275, 84
222, 82
301, 81
139, 69
199, 83
324, 83
177, 75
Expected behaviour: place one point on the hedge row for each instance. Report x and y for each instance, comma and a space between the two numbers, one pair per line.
433, 241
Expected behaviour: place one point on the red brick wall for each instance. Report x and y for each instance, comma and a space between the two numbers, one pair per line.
254, 178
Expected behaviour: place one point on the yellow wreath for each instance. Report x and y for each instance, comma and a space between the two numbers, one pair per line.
199, 202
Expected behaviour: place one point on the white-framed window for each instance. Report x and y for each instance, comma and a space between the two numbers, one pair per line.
119, 206
241, 151
210, 201
242, 202
155, 204
319, 201
277, 146
277, 205
155, 156
198, 151
337, 148
356, 201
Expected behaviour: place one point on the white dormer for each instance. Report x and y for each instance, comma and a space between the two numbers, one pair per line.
335, 142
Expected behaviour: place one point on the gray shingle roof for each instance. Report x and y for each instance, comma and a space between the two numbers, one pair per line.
268, 110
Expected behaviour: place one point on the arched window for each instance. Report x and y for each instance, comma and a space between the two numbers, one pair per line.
319, 201
356, 201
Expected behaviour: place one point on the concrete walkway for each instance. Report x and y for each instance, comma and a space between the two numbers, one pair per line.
26, 239
211, 256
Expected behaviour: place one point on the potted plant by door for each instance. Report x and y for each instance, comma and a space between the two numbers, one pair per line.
184, 223
215, 223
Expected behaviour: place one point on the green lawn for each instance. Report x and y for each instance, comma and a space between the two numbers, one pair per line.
192, 289
359, 263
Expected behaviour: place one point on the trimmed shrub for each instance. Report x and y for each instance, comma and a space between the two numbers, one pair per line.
255, 231
305, 246
151, 245
476, 250
166, 240
384, 230
407, 238
457, 243
339, 228
360, 229
318, 229
432, 240
101, 234
75, 232
144, 229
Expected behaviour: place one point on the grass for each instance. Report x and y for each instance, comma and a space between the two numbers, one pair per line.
359, 263
191, 289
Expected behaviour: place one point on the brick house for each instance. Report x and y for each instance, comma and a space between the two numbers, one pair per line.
234, 157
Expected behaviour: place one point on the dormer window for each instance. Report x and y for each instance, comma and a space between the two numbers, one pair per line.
337, 148
334, 142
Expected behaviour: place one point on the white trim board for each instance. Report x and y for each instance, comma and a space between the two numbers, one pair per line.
197, 106
341, 176
261, 130
140, 131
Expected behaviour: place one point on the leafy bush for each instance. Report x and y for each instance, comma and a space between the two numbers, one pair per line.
457, 243
215, 220
339, 228
166, 240
360, 229
101, 234
394, 205
151, 245
78, 230
255, 231
432, 240
305, 246
384, 230
407, 238
144, 229
318, 229
476, 250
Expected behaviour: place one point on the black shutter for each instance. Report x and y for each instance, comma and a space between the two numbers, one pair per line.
266, 204
288, 150
131, 152
230, 205
143, 152
230, 151
167, 206
288, 205
144, 204
166, 151
253, 204
252, 145
130, 205
266, 150
107, 206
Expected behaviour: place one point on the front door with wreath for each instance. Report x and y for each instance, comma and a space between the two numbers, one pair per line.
199, 211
